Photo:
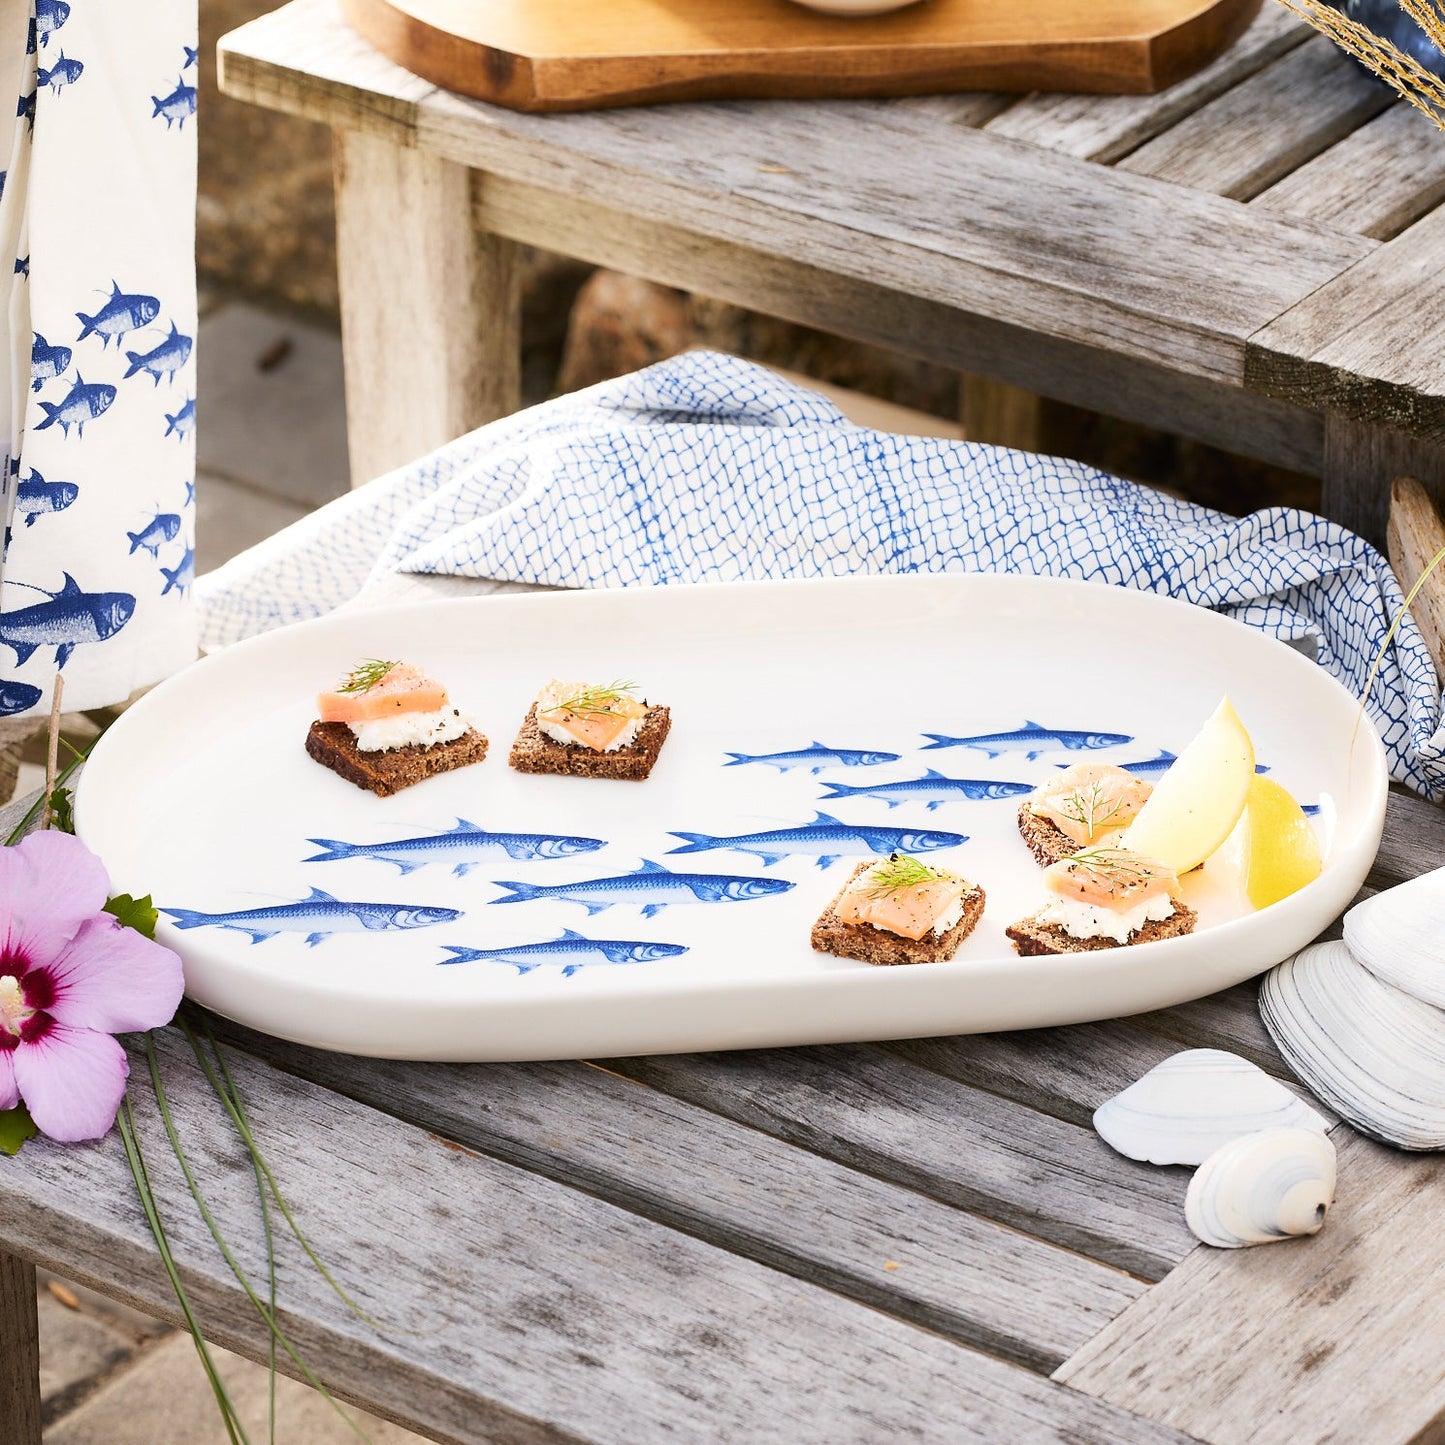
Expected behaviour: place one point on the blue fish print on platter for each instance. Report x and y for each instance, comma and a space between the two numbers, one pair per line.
84, 402
163, 527
35, 497
121, 313
65, 71
815, 758
182, 423
180, 577
932, 790
177, 107
825, 838
1145, 767
318, 916
652, 886
67, 619
571, 950
464, 847
46, 361
163, 360
1032, 739
17, 697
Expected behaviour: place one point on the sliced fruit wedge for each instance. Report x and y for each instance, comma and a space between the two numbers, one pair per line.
1280, 851
1196, 804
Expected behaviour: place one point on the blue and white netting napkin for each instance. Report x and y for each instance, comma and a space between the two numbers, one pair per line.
708, 468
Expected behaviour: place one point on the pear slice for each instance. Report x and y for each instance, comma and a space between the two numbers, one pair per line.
1196, 804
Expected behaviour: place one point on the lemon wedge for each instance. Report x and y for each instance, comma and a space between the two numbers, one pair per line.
1194, 807
1281, 853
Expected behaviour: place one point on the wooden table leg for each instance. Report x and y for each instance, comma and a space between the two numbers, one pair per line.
430, 306
19, 1353
1362, 462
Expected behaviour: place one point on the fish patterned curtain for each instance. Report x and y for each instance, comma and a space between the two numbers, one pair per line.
97, 373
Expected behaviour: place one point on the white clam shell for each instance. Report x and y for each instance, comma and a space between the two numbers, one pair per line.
1372, 1052
1398, 935
1261, 1188
1184, 1109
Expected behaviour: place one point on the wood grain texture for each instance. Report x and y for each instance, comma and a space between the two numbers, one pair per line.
521, 1310
1415, 536
1036, 240
1361, 462
1104, 381
1263, 128
1369, 345
19, 1352
430, 306
1334, 1337
1103, 128
872, 1111
547, 55
950, 1271
1375, 182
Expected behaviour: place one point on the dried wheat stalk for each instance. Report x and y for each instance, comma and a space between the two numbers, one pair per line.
1418, 85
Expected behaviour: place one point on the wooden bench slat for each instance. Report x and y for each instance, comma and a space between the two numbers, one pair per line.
1262, 129
1334, 1337
954, 1273
873, 1111
1369, 345
520, 1309
1375, 182
1137, 262
1104, 128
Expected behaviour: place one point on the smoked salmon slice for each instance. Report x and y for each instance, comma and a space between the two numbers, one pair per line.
398, 688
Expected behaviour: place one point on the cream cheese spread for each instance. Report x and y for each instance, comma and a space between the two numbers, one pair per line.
408, 728
1087, 920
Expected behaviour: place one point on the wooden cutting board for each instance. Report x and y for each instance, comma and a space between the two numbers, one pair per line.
580, 54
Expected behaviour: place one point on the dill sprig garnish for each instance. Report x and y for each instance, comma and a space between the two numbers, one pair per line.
902, 871
1089, 807
365, 675
590, 701
1129, 870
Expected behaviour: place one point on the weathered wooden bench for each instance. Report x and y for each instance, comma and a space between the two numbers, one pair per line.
1249, 258
919, 1240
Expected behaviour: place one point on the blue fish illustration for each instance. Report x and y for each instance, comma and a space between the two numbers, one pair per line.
17, 697
1310, 810
84, 402
459, 847
1032, 739
22, 263
190, 493
182, 574
193, 54
652, 886
569, 949
932, 788
25, 110
183, 423
815, 758
50, 15
1146, 767
35, 497
64, 72
161, 528
46, 361
318, 916
30, 37
826, 837
123, 312
163, 360
177, 106
65, 620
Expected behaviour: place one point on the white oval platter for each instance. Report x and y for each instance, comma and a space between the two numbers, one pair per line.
202, 795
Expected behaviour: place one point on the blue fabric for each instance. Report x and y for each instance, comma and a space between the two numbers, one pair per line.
708, 468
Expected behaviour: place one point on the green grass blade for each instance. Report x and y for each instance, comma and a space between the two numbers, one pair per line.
136, 1159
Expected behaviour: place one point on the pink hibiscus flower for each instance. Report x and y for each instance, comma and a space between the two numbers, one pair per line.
70, 977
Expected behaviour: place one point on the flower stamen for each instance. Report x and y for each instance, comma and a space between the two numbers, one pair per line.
15, 1011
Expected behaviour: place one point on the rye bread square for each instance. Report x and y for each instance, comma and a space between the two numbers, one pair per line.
535, 752
876, 945
334, 746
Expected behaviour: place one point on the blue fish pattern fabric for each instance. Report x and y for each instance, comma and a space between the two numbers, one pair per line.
97, 373
707, 468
